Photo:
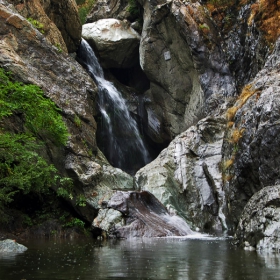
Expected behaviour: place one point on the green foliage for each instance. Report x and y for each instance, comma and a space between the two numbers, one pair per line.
41, 114
22, 169
80, 2
81, 200
77, 121
38, 25
59, 49
204, 26
27, 221
84, 8
74, 222
65, 188
135, 10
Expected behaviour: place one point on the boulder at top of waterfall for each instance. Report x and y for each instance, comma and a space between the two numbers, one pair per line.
138, 214
115, 41
11, 246
259, 225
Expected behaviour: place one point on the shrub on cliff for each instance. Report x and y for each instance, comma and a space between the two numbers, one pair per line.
22, 169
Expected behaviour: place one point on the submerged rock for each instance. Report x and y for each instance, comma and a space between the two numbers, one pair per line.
115, 41
259, 225
138, 214
11, 246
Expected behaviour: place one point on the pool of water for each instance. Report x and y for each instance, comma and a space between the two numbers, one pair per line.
169, 258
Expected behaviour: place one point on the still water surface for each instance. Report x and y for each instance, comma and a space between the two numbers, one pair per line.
172, 258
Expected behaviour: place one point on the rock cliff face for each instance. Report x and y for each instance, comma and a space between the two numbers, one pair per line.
246, 48
219, 159
58, 21
32, 59
254, 144
180, 56
108, 9
259, 224
186, 176
185, 65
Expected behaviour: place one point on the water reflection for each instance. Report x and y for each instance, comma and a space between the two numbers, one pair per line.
138, 259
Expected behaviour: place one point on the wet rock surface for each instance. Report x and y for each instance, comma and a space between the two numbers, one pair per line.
186, 175
259, 225
246, 46
138, 214
11, 246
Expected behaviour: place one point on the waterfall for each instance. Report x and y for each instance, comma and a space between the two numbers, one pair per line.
121, 141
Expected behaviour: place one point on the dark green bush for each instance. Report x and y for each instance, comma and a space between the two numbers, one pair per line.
22, 169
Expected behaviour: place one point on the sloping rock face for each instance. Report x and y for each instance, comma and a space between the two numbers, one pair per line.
115, 41
32, 59
255, 149
108, 9
186, 176
244, 39
60, 21
180, 56
138, 214
259, 225
11, 246
245, 44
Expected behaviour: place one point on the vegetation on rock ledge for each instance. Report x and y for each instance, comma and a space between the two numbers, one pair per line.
84, 7
22, 169
264, 13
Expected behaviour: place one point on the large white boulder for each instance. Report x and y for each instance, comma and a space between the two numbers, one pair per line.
115, 41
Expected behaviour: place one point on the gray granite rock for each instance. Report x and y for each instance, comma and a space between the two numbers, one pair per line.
186, 176
256, 154
186, 67
11, 246
108, 9
138, 214
259, 225
115, 41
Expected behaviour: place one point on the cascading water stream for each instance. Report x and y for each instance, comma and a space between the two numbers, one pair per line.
121, 141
